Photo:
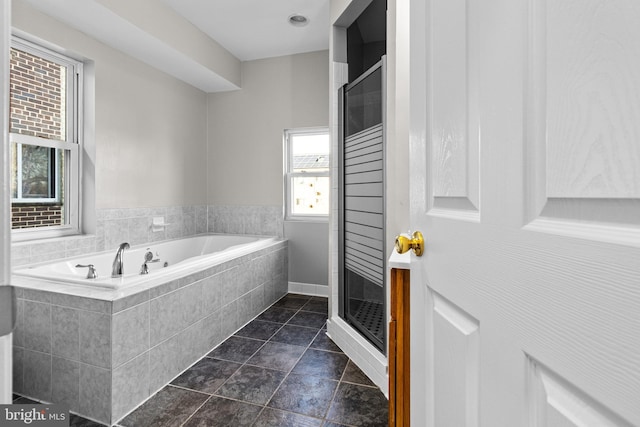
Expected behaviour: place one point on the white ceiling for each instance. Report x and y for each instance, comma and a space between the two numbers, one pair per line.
255, 29
248, 29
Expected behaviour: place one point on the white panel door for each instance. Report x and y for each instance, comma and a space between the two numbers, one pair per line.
525, 181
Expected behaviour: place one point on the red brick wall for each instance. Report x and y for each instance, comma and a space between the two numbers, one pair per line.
37, 104
37, 109
37, 215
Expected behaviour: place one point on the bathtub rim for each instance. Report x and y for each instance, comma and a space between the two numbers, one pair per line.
178, 278
105, 281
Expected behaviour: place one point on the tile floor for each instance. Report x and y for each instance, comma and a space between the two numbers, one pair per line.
279, 370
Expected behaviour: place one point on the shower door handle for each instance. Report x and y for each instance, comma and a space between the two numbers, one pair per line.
415, 243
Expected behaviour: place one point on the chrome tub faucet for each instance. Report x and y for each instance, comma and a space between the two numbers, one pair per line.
117, 269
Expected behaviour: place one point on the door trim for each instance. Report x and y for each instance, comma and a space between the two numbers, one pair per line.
399, 349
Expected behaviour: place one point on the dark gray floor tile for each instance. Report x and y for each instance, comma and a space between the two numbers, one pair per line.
276, 418
323, 342
296, 335
221, 412
275, 355
277, 315
353, 374
25, 401
260, 330
321, 363
78, 421
359, 405
330, 424
304, 394
171, 406
252, 384
309, 319
236, 349
318, 305
207, 375
292, 301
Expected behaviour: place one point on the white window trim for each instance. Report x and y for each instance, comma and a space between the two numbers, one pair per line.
289, 176
73, 143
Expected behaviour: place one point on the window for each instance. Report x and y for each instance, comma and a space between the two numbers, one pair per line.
307, 173
45, 113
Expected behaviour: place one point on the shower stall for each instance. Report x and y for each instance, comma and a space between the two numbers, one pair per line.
361, 205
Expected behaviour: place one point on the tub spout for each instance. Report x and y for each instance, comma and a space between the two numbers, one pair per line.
118, 264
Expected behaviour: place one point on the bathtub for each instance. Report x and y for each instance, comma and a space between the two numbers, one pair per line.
170, 258
103, 346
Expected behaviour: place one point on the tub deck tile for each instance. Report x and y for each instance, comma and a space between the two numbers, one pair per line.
82, 303
130, 385
130, 334
95, 338
130, 301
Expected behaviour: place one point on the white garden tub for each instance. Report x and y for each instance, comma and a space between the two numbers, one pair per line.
171, 258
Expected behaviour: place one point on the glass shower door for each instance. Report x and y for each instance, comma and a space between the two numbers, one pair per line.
362, 218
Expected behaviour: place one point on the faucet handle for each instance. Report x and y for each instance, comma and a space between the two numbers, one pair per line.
92, 273
148, 257
144, 268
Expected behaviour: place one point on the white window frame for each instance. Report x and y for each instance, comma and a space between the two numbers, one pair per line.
20, 199
289, 175
73, 143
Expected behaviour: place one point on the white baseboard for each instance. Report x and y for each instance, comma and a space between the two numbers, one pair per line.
366, 356
308, 289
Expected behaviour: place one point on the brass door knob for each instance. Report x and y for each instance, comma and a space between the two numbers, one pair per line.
416, 243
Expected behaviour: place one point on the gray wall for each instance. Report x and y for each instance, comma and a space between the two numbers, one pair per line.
150, 128
308, 252
246, 146
246, 126
160, 142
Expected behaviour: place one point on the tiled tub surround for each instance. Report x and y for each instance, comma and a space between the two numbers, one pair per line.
260, 220
103, 352
280, 370
133, 225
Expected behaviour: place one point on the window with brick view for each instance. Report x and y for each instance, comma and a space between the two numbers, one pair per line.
43, 148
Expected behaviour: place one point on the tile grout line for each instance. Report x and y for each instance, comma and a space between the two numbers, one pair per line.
288, 372
196, 411
335, 392
322, 419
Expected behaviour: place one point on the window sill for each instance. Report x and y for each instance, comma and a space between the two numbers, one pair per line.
52, 239
30, 235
